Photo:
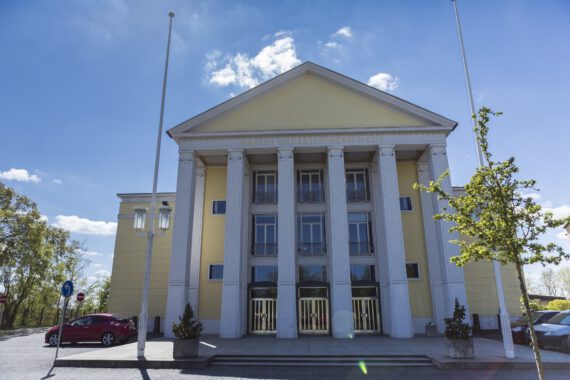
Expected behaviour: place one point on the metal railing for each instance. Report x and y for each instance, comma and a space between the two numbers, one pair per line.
314, 315
266, 249
357, 196
316, 196
360, 248
311, 249
366, 314
265, 197
263, 315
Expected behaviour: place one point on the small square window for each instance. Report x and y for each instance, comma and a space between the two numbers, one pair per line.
218, 207
405, 203
164, 218
140, 216
412, 270
216, 272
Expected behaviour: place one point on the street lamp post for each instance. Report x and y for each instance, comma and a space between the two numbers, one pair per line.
503, 313
143, 317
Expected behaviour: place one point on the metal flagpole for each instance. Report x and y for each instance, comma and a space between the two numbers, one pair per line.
142, 324
503, 313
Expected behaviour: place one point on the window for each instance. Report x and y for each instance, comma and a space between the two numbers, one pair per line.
264, 273
405, 203
362, 272
412, 270
216, 272
164, 218
140, 215
359, 234
310, 187
311, 230
265, 235
218, 207
560, 319
312, 273
265, 187
357, 189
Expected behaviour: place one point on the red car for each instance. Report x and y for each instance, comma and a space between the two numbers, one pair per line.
105, 328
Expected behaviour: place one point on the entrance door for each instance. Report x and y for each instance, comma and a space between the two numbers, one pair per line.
365, 310
263, 311
313, 311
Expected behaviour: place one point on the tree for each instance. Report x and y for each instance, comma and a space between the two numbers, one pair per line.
549, 282
498, 221
564, 280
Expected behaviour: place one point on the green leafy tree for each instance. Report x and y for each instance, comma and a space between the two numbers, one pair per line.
188, 327
456, 327
498, 221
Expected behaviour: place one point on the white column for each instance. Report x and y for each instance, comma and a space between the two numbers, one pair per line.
181, 240
453, 282
231, 311
432, 248
393, 254
341, 291
197, 239
286, 305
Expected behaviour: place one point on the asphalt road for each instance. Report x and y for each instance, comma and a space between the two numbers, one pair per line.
27, 357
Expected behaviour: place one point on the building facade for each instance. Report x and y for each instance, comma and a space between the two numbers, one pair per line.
294, 214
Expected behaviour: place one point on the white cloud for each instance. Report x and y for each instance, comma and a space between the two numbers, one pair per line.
384, 82
97, 265
58, 181
44, 218
533, 196
332, 44
562, 235
558, 212
102, 273
91, 253
345, 32
19, 175
244, 71
73, 223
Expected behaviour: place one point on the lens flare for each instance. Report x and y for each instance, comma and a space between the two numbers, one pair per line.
362, 366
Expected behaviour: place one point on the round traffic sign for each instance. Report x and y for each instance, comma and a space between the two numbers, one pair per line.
80, 296
3, 298
67, 288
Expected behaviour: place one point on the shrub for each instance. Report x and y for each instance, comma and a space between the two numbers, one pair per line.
558, 305
188, 327
455, 327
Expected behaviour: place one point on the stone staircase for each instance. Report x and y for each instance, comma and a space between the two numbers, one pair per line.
324, 360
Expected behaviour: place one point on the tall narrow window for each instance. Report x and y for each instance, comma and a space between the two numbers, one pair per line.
311, 234
265, 187
310, 187
140, 216
265, 235
357, 188
164, 218
359, 234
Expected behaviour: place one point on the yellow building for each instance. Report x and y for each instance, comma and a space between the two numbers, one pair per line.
294, 214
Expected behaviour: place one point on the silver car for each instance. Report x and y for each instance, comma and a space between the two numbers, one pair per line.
555, 332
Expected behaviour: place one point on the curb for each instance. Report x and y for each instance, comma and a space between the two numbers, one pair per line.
200, 362
477, 364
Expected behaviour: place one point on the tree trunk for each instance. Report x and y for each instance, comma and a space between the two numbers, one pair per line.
526, 303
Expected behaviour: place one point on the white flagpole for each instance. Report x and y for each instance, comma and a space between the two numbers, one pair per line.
503, 312
142, 323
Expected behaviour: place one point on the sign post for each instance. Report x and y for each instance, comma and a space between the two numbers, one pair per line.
3, 300
66, 292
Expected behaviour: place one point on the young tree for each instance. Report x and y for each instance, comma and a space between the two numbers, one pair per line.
499, 221
549, 282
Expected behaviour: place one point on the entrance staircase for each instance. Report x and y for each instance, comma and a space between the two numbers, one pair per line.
324, 360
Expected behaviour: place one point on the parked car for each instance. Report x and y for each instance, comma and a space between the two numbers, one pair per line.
555, 332
105, 328
520, 326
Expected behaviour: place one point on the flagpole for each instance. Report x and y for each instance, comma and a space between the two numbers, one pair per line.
503, 312
142, 324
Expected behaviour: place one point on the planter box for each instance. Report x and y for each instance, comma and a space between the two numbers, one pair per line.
186, 348
431, 331
459, 348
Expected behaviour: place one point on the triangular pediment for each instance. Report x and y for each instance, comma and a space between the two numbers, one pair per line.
310, 97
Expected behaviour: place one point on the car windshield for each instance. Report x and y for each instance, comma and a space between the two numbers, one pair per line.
535, 317
560, 319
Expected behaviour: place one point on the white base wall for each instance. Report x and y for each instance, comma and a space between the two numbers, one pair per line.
211, 326
419, 324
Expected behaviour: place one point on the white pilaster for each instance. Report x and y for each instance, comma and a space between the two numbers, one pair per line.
181, 240
432, 248
286, 305
453, 282
392, 256
231, 318
197, 238
341, 291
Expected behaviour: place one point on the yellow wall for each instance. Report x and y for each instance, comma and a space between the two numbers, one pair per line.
310, 102
414, 241
210, 292
128, 267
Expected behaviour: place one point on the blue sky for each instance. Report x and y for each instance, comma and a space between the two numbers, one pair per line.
80, 85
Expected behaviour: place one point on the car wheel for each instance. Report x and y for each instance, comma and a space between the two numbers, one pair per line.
108, 339
52, 340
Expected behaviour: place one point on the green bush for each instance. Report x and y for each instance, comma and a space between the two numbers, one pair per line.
558, 305
455, 327
188, 328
